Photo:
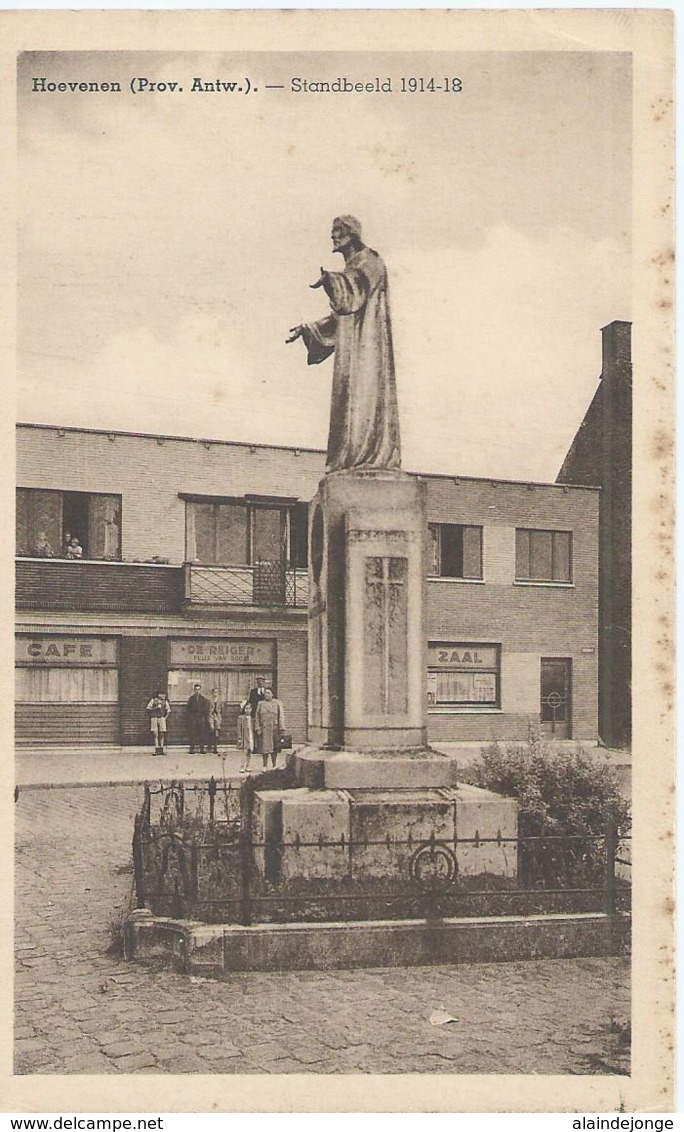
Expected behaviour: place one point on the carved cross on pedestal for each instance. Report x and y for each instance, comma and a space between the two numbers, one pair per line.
385, 582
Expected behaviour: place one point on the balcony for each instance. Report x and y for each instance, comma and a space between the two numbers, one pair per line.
132, 587
265, 584
128, 587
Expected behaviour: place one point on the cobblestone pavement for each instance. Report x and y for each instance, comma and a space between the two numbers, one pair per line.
80, 1010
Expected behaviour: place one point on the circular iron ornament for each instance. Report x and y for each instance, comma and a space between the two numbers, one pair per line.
433, 866
554, 699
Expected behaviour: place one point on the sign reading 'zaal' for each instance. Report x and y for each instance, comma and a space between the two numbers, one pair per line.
467, 658
213, 654
61, 651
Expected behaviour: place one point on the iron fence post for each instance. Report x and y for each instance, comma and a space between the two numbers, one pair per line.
194, 871
609, 876
138, 861
177, 905
212, 797
245, 854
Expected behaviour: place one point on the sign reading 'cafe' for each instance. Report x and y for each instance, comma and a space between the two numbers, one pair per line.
57, 651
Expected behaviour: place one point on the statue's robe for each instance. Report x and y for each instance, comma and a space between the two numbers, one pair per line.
364, 418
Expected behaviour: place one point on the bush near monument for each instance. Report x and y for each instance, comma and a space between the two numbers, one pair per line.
561, 793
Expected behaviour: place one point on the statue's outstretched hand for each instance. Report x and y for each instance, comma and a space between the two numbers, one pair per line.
295, 333
321, 281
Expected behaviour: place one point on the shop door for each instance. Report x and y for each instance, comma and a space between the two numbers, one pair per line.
556, 698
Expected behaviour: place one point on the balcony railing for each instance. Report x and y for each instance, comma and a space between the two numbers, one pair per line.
266, 583
52, 583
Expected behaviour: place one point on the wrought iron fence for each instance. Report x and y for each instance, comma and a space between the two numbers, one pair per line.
266, 583
204, 863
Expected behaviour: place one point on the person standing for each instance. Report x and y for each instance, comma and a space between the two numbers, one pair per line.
257, 694
245, 735
269, 722
214, 720
198, 719
256, 697
159, 709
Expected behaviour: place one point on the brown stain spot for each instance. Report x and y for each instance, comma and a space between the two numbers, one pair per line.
218, 394
662, 259
669, 906
660, 108
664, 304
662, 446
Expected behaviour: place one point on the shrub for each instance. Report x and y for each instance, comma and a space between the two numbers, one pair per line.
561, 793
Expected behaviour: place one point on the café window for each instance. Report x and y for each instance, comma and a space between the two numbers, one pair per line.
67, 685
232, 685
242, 533
464, 675
455, 551
66, 670
47, 521
543, 556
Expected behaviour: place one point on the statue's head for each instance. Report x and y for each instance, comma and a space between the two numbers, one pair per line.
346, 230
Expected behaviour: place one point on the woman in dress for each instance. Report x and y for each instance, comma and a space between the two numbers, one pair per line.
269, 722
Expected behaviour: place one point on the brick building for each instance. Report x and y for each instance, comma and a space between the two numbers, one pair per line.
601, 454
195, 568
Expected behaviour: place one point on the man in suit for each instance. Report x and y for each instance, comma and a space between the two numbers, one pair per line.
256, 696
198, 719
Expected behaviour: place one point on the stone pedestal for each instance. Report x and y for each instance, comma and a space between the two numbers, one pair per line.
367, 635
373, 804
370, 834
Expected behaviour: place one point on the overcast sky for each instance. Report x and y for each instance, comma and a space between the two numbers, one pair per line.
167, 241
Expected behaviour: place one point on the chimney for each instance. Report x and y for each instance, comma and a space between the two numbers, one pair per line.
617, 350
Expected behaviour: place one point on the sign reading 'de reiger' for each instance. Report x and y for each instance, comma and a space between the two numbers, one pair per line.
211, 654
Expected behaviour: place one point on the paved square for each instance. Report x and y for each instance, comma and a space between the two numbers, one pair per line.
80, 1010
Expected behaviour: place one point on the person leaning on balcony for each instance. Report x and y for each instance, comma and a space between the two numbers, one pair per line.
159, 709
269, 722
74, 549
42, 549
198, 719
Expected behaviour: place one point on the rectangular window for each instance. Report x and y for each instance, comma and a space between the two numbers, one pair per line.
216, 534
43, 685
455, 551
233, 533
268, 535
464, 675
232, 685
543, 556
49, 521
299, 536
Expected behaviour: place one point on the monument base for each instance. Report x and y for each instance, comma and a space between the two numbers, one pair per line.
421, 768
358, 835
219, 950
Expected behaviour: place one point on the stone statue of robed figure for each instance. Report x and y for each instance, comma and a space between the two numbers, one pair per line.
364, 418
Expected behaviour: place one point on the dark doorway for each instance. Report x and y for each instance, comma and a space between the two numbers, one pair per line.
75, 517
556, 698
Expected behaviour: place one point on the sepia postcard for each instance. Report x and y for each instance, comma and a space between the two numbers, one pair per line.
340, 453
